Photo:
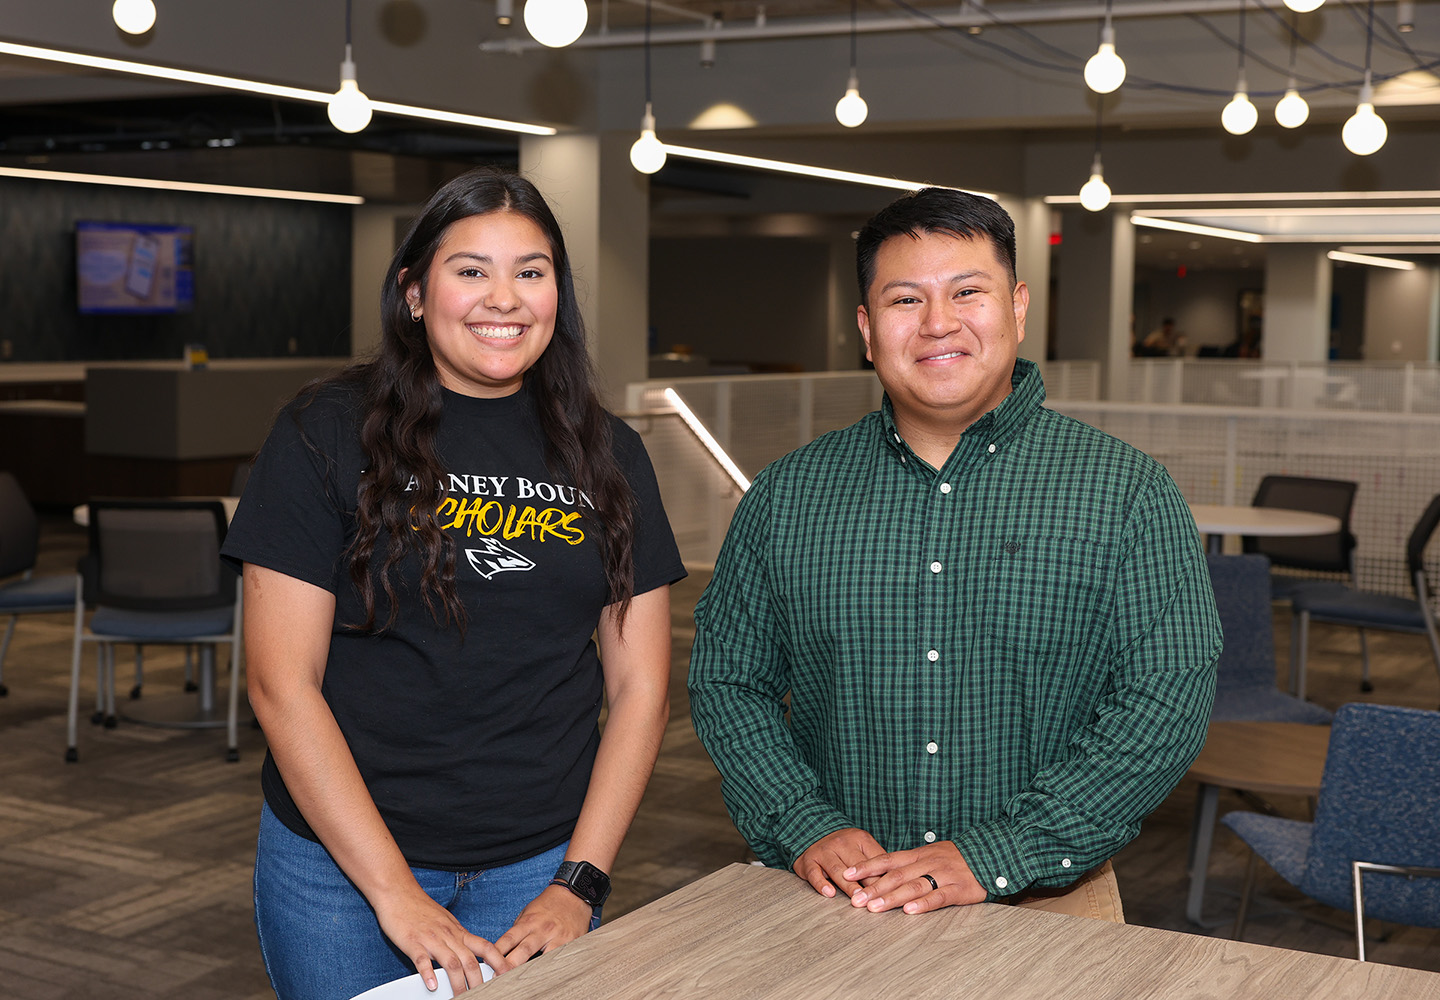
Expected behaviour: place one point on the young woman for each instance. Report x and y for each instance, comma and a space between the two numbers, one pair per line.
430, 540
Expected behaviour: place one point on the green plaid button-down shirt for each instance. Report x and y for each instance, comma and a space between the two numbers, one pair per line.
1016, 653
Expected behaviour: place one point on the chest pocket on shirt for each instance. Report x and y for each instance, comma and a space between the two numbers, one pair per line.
1041, 594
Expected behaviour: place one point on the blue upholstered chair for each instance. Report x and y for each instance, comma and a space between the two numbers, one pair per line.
22, 592
1245, 688
1338, 604
1379, 807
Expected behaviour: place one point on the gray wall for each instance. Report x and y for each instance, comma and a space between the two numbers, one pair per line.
266, 272
746, 300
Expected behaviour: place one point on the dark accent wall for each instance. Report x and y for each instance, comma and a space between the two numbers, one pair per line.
266, 272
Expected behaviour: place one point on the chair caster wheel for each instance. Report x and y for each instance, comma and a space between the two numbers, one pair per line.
1366, 686
71, 755
232, 755
191, 687
111, 722
135, 693
96, 718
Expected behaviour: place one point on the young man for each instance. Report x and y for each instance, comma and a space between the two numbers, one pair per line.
993, 623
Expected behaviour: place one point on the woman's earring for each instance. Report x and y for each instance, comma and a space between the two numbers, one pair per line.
414, 316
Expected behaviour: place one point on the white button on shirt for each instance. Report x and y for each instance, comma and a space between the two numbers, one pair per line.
932, 747
1064, 862
1001, 882
933, 655
935, 567
991, 449
944, 487
929, 836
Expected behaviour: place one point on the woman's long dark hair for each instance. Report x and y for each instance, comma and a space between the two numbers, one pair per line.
402, 407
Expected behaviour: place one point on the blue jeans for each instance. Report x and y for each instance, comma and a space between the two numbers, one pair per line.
320, 938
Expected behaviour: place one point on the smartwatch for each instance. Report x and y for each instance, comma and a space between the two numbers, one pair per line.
584, 880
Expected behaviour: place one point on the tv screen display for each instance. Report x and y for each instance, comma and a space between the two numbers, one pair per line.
123, 267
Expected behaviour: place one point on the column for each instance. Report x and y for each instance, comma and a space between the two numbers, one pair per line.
1032, 266
1297, 303
603, 205
1096, 293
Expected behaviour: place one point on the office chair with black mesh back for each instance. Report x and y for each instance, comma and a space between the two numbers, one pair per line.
1338, 604
1324, 553
154, 575
26, 593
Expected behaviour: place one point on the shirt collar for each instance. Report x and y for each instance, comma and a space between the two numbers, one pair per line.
998, 426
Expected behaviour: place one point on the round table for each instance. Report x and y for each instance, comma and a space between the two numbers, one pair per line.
1216, 521
1268, 758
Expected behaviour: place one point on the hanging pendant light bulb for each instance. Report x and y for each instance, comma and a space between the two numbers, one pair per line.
1365, 132
1095, 194
647, 153
1105, 71
555, 23
1303, 6
349, 108
134, 16
851, 109
1291, 110
1239, 115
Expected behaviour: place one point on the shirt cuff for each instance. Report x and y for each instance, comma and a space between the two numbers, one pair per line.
806, 823
992, 852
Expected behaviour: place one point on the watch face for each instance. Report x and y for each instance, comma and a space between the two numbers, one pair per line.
591, 883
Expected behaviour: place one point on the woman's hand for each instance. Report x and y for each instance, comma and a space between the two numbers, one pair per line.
554, 917
430, 936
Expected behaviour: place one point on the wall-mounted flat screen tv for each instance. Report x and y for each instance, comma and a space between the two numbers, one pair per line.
123, 267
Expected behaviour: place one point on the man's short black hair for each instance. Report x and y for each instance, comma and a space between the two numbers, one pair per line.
935, 210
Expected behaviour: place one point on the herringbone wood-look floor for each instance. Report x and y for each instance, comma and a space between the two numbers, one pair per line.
127, 875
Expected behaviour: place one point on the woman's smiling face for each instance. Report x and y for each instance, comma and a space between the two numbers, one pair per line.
488, 304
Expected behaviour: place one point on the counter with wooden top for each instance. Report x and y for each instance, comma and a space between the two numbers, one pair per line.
758, 933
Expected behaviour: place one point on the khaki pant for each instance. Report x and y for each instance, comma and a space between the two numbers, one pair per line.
1096, 894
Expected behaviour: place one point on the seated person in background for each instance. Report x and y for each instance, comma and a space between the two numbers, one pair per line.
1162, 342
993, 624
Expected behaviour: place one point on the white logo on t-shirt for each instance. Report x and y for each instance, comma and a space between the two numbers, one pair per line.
494, 558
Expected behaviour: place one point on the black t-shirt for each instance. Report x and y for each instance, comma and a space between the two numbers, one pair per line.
476, 750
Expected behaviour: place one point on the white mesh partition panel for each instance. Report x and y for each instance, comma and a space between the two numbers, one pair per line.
1367, 387
1219, 455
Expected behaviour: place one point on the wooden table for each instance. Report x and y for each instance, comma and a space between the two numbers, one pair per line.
1216, 521
759, 933
1268, 758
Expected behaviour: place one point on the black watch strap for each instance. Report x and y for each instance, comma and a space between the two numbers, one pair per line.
584, 880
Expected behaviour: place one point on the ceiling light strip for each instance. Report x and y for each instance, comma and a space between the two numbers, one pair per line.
1360, 258
256, 87
1254, 196
805, 170
1188, 227
190, 186
1307, 213
1397, 248
707, 439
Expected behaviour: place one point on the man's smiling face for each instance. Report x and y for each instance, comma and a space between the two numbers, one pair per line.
943, 328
